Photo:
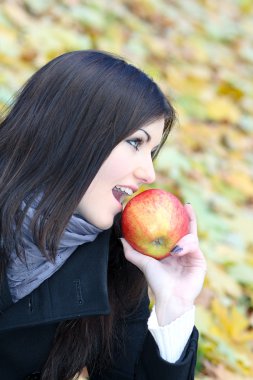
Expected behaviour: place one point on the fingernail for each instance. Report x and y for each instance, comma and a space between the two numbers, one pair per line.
176, 249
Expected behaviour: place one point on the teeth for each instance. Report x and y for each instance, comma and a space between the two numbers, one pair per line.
126, 190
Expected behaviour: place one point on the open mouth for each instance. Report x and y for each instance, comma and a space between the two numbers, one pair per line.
121, 192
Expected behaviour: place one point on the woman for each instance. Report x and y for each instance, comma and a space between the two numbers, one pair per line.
81, 136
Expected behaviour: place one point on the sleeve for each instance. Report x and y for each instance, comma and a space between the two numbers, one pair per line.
139, 357
172, 338
151, 366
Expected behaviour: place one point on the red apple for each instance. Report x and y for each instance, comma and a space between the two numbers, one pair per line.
153, 221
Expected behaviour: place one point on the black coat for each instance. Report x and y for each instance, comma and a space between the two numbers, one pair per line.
79, 288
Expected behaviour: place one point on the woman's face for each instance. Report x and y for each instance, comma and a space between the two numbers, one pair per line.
128, 166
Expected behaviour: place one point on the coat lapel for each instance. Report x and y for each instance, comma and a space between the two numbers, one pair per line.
78, 288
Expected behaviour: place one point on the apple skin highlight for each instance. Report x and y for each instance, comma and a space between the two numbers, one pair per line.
153, 222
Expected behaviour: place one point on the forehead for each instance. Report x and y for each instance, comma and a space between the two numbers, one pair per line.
155, 128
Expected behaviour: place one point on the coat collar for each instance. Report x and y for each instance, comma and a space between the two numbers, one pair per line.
78, 288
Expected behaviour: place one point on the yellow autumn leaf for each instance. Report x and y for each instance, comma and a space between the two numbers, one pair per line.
220, 282
233, 324
240, 181
230, 335
230, 89
221, 108
17, 15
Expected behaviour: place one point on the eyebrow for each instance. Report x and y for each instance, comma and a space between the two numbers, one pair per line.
146, 133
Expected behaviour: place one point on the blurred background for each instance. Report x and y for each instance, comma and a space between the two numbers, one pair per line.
201, 54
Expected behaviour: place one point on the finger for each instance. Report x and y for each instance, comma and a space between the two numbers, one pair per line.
193, 229
188, 244
191, 257
181, 250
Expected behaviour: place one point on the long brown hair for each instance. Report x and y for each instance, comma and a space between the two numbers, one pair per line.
62, 126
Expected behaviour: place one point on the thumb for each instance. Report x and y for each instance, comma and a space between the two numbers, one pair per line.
134, 256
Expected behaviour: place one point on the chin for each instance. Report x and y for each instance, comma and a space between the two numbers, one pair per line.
104, 224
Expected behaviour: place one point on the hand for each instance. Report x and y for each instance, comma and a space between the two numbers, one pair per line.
177, 279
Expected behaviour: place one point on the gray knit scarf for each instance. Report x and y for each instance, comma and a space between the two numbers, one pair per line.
26, 275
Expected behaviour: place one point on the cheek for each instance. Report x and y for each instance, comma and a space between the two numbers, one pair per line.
113, 168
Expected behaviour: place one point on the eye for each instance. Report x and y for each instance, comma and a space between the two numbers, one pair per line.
136, 142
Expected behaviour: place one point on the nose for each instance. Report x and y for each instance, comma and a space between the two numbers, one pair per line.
145, 172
